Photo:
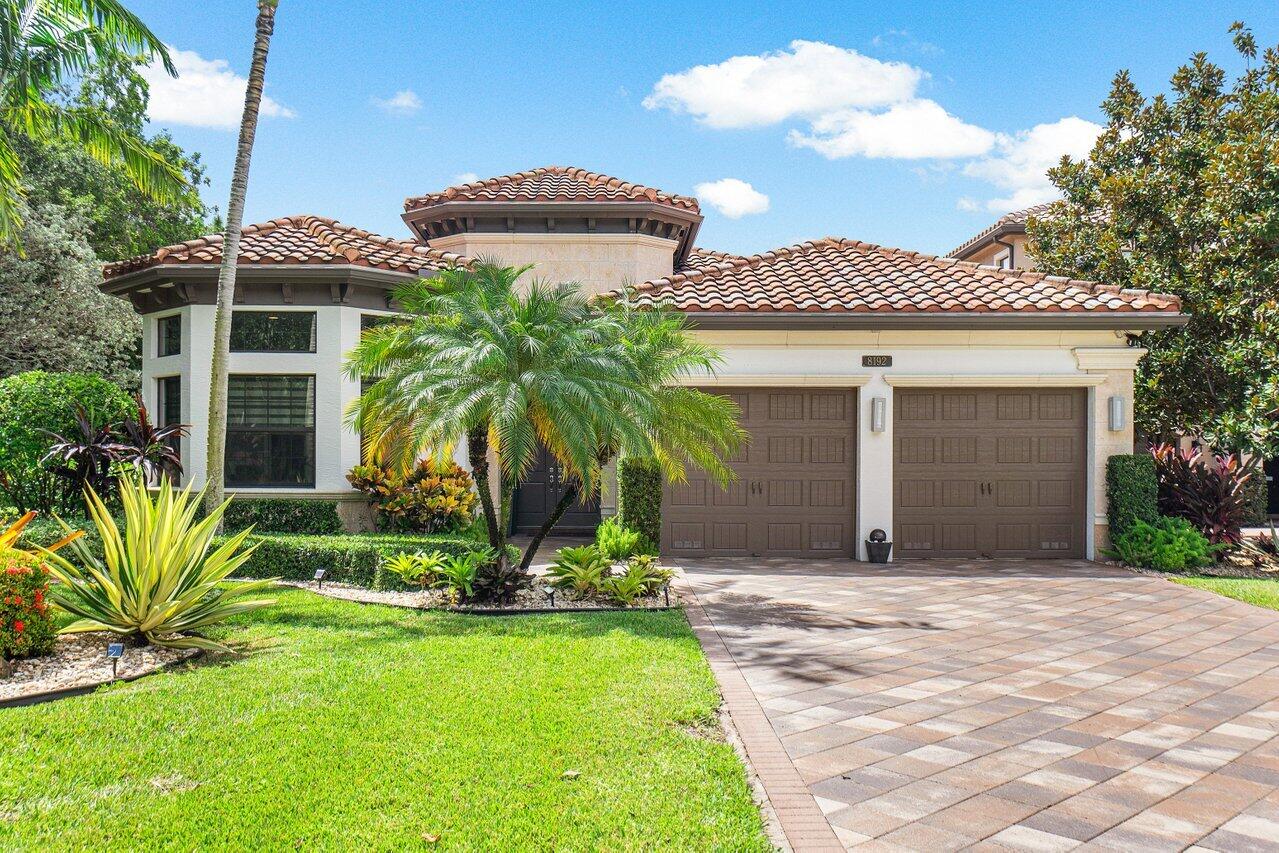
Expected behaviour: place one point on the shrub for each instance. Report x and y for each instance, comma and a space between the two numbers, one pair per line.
1168, 545
161, 577
431, 498
1207, 492
499, 580
414, 569
655, 576
639, 499
354, 559
26, 627
1132, 491
35, 404
625, 588
1257, 500
615, 541
284, 515
457, 573
579, 570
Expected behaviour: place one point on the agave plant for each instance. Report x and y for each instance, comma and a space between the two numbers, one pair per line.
160, 577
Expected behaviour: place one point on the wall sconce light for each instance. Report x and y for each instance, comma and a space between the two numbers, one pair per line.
878, 414
1117, 419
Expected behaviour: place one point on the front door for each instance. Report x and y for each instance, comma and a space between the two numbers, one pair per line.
540, 491
1272, 484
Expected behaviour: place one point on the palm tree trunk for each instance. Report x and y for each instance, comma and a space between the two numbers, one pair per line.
214, 470
566, 500
477, 452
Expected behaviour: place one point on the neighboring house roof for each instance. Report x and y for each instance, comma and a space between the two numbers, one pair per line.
1009, 223
552, 184
835, 275
701, 259
298, 240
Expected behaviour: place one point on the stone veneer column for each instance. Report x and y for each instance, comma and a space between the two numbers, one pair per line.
1116, 364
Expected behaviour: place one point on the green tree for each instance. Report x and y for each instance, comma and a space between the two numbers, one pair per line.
53, 317
43, 45
511, 369
216, 451
1180, 194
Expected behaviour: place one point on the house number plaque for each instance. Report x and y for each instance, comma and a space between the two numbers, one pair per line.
877, 361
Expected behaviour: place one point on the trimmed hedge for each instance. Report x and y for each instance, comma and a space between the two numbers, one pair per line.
284, 515
355, 559
1132, 492
1258, 496
639, 497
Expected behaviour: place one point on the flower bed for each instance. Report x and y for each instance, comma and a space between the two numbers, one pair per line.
80, 660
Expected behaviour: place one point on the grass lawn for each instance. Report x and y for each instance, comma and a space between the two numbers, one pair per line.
1261, 592
348, 726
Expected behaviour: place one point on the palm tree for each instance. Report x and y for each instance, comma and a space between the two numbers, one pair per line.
511, 371
43, 45
214, 469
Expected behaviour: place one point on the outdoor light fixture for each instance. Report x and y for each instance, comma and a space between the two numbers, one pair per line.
550, 594
878, 414
666, 593
1117, 419
115, 651
319, 578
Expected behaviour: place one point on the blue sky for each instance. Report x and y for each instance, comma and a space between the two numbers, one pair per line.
907, 124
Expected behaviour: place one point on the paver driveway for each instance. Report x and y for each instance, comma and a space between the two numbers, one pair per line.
936, 705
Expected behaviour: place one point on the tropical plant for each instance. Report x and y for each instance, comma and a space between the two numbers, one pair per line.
1262, 552
456, 573
1209, 492
1168, 545
646, 565
615, 541
150, 448
431, 498
159, 578
1178, 195
26, 625
85, 460
215, 471
626, 588
44, 44
500, 579
511, 368
418, 568
580, 570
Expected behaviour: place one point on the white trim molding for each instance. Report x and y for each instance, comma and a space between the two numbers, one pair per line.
1108, 358
778, 380
508, 238
990, 380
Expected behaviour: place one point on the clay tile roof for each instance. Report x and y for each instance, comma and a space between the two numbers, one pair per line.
298, 240
1008, 222
845, 276
551, 184
700, 259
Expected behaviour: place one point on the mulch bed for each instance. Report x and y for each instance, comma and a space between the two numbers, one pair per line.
80, 661
526, 601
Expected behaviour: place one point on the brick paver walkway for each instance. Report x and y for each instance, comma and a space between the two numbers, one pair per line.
1035, 706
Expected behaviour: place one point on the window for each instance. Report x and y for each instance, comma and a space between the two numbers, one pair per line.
169, 334
273, 331
270, 431
1004, 261
169, 400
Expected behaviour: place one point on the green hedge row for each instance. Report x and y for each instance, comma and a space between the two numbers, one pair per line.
639, 497
283, 515
1132, 492
355, 559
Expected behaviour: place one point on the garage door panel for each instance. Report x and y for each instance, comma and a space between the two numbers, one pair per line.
795, 491
996, 472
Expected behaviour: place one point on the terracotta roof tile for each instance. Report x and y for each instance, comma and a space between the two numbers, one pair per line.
1009, 221
700, 259
303, 239
551, 184
837, 275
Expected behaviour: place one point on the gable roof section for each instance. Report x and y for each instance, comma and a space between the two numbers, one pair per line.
702, 259
298, 240
838, 276
552, 184
1009, 223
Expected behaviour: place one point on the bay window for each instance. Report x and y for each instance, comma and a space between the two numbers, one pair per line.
270, 431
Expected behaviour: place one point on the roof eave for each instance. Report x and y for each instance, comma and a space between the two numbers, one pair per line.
966, 250
196, 273
1048, 320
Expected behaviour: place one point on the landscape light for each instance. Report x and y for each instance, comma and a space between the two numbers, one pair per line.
319, 578
115, 651
550, 593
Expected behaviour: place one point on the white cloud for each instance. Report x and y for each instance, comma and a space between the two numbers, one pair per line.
403, 103
732, 197
465, 178
809, 79
206, 93
912, 130
1020, 161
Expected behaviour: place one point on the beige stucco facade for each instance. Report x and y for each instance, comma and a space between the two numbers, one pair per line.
997, 254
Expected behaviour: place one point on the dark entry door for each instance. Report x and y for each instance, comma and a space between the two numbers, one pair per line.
1272, 482
539, 492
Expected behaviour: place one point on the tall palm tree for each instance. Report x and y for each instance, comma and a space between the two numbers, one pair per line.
511, 371
214, 468
43, 45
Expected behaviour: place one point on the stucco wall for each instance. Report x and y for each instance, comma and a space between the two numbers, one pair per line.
1021, 259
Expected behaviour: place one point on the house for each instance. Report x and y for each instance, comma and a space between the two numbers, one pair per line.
1003, 244
965, 409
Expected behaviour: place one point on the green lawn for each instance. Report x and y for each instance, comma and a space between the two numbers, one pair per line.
1263, 593
348, 726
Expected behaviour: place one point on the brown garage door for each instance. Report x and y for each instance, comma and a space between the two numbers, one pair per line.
794, 493
989, 472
